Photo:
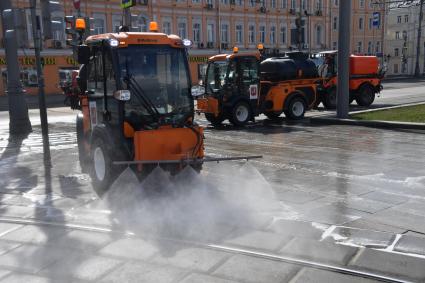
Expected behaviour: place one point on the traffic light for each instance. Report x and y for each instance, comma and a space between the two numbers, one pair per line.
47, 8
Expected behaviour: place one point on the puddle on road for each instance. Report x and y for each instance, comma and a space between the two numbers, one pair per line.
205, 206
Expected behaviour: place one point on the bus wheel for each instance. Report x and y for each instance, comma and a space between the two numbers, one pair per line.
366, 96
215, 121
241, 114
329, 99
296, 109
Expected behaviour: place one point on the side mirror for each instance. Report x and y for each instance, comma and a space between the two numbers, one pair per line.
197, 90
83, 52
122, 95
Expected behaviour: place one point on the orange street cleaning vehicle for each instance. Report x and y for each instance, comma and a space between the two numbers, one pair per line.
240, 86
136, 106
365, 79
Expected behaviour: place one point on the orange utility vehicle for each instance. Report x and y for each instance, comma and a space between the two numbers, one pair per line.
365, 79
136, 106
240, 86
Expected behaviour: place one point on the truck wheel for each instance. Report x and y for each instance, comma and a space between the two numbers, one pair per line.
215, 121
329, 99
101, 172
241, 114
366, 96
83, 156
296, 109
273, 115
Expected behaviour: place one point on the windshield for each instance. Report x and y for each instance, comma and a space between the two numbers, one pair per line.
158, 79
216, 74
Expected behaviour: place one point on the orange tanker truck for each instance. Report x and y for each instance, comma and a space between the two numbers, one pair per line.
241, 86
136, 106
365, 79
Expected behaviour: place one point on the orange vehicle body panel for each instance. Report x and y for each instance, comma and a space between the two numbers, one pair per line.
363, 65
208, 105
168, 144
278, 94
222, 57
354, 83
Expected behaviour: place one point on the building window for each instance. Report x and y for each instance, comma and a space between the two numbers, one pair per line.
239, 34
361, 3
336, 2
273, 35
293, 4
369, 48
283, 4
378, 47
182, 29
396, 52
239, 2
319, 5
395, 68
141, 22
334, 45
397, 35
283, 34
210, 33
252, 3
224, 33
98, 24
273, 4
166, 27
319, 35
335, 23
196, 28
304, 4
404, 34
223, 1
399, 19
116, 23
370, 23
360, 23
262, 34
196, 1
251, 34
359, 47
406, 18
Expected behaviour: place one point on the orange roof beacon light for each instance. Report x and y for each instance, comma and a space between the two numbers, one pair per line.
153, 27
235, 49
80, 24
260, 46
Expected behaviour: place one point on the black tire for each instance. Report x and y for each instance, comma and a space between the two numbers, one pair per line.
366, 96
241, 114
329, 99
273, 115
215, 121
101, 171
83, 155
296, 108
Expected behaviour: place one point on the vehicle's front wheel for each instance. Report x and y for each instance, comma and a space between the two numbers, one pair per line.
101, 173
215, 121
329, 99
296, 109
241, 114
366, 96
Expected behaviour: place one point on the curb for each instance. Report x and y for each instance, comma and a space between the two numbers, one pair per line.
386, 108
372, 124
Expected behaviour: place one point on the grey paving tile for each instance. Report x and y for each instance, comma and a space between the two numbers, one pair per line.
411, 244
7, 246
131, 248
191, 258
404, 220
8, 227
31, 258
320, 251
82, 240
258, 240
297, 196
80, 266
4, 273
19, 278
142, 272
196, 278
250, 269
298, 228
308, 275
399, 265
386, 197
34, 234
368, 224
414, 207
361, 237
333, 214
17, 211
364, 204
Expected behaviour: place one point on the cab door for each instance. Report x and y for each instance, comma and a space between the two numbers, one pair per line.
249, 80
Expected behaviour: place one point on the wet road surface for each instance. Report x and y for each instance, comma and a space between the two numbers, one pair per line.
348, 197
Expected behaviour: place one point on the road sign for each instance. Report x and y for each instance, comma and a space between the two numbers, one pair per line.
77, 4
376, 19
127, 3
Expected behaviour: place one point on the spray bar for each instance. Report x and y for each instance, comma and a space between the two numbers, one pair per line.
187, 161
